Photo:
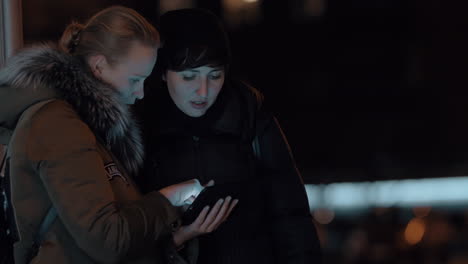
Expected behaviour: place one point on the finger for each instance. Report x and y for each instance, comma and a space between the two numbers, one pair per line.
191, 188
194, 181
201, 217
185, 189
209, 184
196, 188
190, 183
211, 216
190, 200
185, 207
232, 205
220, 215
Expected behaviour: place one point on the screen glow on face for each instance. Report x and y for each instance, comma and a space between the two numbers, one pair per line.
195, 90
129, 74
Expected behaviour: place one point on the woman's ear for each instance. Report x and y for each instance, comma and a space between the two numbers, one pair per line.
164, 77
97, 63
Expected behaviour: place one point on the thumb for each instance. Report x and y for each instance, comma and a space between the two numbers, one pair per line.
189, 200
209, 184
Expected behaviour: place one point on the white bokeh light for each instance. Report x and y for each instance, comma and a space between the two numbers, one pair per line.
401, 193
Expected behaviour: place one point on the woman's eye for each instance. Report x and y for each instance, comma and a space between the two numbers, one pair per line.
215, 76
134, 81
188, 77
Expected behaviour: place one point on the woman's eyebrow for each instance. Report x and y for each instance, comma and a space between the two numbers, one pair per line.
140, 75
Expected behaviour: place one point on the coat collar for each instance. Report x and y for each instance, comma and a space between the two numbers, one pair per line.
42, 72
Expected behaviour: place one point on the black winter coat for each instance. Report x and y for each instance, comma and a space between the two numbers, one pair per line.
272, 221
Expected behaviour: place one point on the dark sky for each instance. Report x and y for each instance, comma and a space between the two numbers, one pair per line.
371, 89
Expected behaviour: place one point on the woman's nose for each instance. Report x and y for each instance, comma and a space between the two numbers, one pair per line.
140, 92
203, 89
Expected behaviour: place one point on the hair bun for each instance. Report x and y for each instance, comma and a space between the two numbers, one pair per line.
71, 37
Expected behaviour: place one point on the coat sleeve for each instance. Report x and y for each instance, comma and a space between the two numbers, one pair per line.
63, 151
293, 232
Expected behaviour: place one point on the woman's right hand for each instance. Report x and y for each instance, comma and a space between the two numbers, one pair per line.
182, 193
206, 222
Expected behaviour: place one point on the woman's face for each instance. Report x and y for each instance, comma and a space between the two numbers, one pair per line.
195, 90
130, 72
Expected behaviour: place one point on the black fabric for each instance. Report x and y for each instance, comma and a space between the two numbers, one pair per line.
8, 234
218, 146
186, 46
182, 28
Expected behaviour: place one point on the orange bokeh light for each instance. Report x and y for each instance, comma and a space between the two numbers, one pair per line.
414, 231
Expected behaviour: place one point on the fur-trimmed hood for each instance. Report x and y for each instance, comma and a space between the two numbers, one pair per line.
44, 72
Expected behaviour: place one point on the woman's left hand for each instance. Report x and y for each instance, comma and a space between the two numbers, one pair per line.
206, 222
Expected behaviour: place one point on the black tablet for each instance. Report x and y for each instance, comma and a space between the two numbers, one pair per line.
208, 196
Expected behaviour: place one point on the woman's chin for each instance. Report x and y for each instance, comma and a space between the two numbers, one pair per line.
195, 112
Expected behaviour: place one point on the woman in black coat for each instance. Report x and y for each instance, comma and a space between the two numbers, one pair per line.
201, 124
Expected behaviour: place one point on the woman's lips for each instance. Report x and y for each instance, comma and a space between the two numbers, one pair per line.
198, 105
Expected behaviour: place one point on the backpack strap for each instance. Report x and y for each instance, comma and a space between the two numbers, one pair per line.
40, 235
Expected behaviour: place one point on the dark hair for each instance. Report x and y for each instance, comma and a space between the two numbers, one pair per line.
192, 37
110, 32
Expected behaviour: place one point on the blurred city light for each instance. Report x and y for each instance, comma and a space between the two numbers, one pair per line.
323, 216
450, 191
421, 211
414, 231
314, 7
168, 5
238, 12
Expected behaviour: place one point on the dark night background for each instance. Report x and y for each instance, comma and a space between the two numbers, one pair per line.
364, 90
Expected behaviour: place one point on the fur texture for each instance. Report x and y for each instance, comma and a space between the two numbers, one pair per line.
94, 101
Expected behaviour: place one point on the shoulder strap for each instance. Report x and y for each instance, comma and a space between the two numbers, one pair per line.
43, 228
46, 222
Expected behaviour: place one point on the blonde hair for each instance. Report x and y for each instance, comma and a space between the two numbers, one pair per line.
110, 32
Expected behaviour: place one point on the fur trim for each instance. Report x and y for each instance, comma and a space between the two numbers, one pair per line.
94, 101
